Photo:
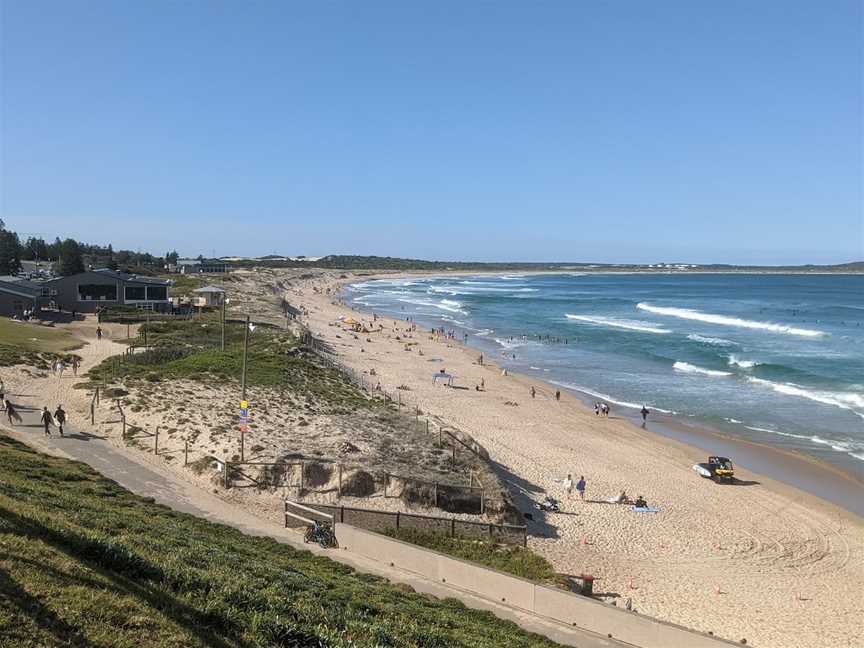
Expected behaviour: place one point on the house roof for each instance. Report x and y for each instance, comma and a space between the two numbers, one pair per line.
188, 262
130, 278
209, 289
19, 286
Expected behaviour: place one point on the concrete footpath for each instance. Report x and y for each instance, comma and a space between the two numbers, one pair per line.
150, 481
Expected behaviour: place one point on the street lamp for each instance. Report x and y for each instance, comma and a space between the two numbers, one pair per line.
225, 301
244, 405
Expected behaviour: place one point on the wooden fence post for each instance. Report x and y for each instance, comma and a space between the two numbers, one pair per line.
386, 481
156, 442
286, 514
339, 491
427, 426
185, 452
482, 502
452, 527
397, 520
97, 394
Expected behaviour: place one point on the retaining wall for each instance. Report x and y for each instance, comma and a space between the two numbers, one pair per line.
549, 602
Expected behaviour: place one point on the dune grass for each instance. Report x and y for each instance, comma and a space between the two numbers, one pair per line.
83, 562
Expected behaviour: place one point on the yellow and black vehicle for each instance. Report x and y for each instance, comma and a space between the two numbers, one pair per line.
719, 469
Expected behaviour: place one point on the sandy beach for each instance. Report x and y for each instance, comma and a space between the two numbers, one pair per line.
760, 560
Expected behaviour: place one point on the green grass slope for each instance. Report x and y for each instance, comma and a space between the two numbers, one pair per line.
85, 563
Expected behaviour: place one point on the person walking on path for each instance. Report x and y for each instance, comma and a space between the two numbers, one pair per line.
60, 417
11, 413
98, 332
61, 367
580, 486
46, 420
76, 363
645, 412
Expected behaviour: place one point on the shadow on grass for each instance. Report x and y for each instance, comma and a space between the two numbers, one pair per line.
128, 572
41, 615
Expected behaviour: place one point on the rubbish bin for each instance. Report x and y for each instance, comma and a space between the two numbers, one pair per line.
587, 585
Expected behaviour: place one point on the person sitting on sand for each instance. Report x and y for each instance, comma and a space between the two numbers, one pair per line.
640, 502
621, 499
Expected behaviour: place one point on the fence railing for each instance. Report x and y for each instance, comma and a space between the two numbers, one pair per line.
373, 520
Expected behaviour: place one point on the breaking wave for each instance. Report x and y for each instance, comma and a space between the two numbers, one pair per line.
845, 400
688, 368
711, 340
630, 325
735, 361
725, 320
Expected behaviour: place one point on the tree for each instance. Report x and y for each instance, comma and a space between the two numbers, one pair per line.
10, 252
171, 257
71, 260
34, 249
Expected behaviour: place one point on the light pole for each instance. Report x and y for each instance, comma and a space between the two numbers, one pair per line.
245, 353
244, 405
225, 301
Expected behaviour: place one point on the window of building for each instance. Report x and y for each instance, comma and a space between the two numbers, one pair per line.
157, 293
97, 292
135, 293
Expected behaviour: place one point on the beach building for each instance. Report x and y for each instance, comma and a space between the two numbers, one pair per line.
199, 266
208, 296
88, 291
18, 295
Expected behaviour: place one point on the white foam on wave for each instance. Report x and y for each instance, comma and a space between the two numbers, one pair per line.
444, 304
725, 320
631, 325
845, 400
735, 361
510, 344
609, 399
715, 341
484, 332
686, 367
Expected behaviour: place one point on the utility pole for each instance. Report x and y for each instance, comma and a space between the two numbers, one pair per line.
245, 353
146, 326
224, 300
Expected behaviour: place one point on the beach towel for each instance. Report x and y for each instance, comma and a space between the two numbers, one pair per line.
649, 509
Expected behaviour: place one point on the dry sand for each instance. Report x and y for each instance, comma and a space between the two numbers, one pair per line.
762, 561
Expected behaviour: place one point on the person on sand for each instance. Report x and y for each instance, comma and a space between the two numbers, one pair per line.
11, 413
580, 486
98, 332
605, 409
46, 420
640, 502
61, 367
533, 392
644, 412
621, 499
567, 483
76, 363
60, 417
557, 394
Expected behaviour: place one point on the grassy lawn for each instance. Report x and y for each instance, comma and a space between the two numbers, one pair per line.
518, 561
25, 343
83, 562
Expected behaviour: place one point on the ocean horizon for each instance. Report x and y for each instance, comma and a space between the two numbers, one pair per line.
770, 358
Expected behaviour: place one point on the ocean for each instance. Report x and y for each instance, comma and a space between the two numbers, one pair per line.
776, 359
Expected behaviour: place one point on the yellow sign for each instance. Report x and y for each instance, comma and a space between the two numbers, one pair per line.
244, 404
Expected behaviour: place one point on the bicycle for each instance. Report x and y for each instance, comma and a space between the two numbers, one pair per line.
321, 533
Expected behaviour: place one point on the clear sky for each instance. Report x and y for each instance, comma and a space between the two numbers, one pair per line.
722, 131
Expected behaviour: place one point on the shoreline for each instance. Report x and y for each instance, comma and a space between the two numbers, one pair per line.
814, 476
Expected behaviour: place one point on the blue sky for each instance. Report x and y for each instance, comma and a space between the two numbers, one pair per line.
597, 131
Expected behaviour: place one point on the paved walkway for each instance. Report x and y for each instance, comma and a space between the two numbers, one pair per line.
149, 481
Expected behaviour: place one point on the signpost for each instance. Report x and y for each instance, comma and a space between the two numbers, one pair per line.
244, 422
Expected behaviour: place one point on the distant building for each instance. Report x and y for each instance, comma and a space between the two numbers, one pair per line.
198, 266
208, 296
88, 291
18, 295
